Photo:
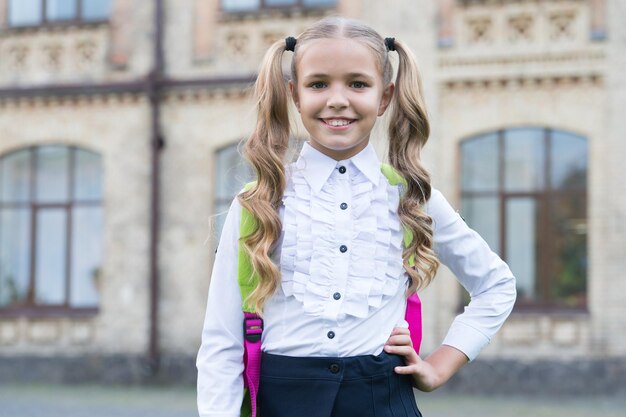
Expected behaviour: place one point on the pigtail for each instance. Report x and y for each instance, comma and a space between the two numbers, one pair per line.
265, 150
408, 132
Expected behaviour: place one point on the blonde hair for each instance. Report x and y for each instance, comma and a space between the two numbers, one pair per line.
267, 146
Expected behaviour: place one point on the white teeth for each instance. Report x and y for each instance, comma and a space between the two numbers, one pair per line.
336, 122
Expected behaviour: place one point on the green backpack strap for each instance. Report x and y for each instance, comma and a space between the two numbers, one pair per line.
246, 276
395, 178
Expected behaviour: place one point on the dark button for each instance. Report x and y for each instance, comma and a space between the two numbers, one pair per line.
336, 296
334, 368
342, 169
343, 248
343, 206
330, 334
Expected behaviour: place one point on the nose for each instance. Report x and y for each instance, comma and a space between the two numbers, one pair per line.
337, 98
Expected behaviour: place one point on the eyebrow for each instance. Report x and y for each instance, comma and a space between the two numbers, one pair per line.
349, 75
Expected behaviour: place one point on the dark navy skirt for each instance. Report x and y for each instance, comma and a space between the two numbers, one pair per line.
359, 386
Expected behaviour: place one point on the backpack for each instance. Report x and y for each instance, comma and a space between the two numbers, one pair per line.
253, 324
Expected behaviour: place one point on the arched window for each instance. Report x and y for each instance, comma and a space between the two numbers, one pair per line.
525, 191
50, 229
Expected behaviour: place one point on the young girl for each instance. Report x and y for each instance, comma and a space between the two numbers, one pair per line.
328, 248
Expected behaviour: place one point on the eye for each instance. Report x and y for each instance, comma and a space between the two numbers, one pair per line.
358, 84
317, 85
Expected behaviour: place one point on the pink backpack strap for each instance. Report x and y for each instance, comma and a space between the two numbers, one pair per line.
252, 328
413, 316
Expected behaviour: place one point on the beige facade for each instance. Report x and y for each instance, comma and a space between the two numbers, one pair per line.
486, 65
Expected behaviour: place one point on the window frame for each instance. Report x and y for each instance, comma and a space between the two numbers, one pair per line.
545, 198
263, 6
77, 20
29, 307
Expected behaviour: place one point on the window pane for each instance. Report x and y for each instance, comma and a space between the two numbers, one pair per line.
88, 181
479, 164
569, 161
569, 280
50, 259
240, 5
521, 242
60, 9
95, 9
320, 2
52, 173
24, 12
86, 256
15, 177
483, 215
524, 157
14, 255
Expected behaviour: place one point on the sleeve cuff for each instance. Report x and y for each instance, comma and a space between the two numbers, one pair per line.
466, 339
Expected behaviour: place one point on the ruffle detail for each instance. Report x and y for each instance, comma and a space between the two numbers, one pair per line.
310, 247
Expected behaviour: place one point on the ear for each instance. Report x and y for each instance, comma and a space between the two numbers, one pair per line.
294, 94
386, 98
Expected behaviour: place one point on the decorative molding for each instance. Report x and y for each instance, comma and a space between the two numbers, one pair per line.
545, 58
53, 57
187, 95
17, 55
479, 30
111, 99
526, 83
242, 44
85, 56
34, 57
562, 25
508, 25
238, 45
521, 28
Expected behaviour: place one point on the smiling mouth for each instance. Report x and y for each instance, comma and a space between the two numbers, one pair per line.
338, 122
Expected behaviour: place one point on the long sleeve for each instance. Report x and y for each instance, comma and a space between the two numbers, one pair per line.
220, 358
482, 273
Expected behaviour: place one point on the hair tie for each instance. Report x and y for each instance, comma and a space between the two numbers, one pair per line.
390, 43
290, 44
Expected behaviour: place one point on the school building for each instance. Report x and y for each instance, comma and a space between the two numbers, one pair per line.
119, 126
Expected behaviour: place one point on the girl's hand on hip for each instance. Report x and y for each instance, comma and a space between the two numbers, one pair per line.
425, 376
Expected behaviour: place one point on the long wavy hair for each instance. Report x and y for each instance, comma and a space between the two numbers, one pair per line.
267, 146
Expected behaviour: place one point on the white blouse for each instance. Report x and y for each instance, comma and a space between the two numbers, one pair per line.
343, 284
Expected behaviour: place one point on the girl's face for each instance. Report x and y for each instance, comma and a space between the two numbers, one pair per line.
339, 95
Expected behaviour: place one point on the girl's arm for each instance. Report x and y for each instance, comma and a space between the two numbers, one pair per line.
220, 358
485, 276
487, 279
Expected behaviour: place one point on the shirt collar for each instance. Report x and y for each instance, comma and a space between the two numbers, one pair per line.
317, 167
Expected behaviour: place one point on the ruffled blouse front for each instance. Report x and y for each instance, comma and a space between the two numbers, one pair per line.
342, 244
